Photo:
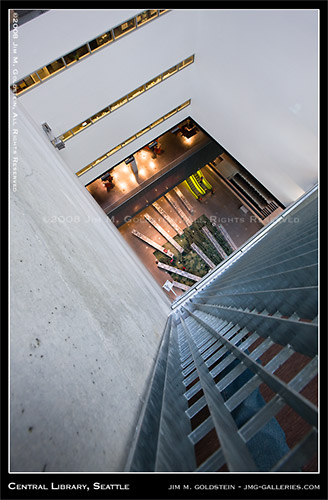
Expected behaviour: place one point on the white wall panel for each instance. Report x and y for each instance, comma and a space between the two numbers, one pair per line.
253, 87
259, 94
74, 94
126, 121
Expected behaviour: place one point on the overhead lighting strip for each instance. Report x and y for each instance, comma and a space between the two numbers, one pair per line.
124, 100
64, 62
133, 138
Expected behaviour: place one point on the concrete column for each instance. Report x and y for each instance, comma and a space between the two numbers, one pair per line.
86, 319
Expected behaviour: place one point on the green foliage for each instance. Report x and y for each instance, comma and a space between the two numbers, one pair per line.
217, 235
192, 262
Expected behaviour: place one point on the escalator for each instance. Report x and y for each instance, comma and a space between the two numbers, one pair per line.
198, 185
202, 180
190, 186
195, 180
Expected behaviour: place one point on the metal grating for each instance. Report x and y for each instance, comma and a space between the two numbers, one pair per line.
236, 354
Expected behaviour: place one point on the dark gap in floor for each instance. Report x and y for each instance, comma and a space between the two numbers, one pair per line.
192, 383
200, 417
195, 398
206, 446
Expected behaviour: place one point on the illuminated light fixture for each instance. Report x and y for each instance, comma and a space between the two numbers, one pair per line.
143, 155
98, 160
152, 164
132, 178
189, 129
84, 124
125, 168
142, 171
123, 185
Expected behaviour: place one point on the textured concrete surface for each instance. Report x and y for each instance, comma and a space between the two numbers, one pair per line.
86, 318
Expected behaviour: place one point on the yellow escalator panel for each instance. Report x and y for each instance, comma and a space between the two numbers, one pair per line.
188, 187
197, 185
205, 181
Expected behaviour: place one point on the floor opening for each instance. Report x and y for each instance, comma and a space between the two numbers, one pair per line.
183, 204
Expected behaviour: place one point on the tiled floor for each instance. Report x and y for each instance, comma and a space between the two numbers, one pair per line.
223, 205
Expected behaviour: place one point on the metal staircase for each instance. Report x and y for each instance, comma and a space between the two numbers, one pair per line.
228, 343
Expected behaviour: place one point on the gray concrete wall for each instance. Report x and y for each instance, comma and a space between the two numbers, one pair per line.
86, 318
